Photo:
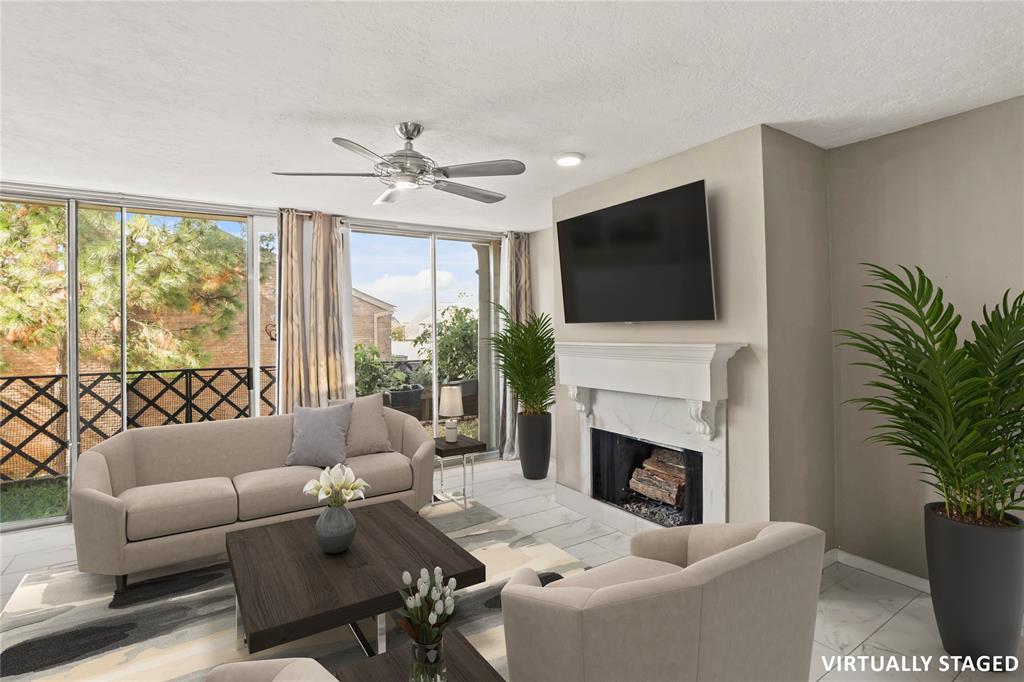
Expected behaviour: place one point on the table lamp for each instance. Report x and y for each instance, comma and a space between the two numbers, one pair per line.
450, 406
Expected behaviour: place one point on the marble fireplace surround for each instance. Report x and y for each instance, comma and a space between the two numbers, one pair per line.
670, 394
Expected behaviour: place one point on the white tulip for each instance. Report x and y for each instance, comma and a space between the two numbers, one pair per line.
437, 573
439, 607
360, 483
406, 578
435, 594
419, 601
422, 586
323, 494
325, 478
424, 575
451, 584
338, 475
449, 606
410, 603
432, 618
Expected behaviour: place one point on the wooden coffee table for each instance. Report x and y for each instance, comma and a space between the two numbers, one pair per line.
462, 661
286, 588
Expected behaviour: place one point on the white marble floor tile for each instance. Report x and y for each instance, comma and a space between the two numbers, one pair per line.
530, 505
41, 559
615, 541
852, 609
36, 539
833, 573
533, 523
592, 554
574, 533
819, 652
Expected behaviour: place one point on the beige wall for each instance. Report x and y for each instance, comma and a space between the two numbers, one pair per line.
732, 169
802, 472
543, 270
946, 196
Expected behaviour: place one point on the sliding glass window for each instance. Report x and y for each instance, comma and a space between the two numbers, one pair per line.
34, 462
160, 333
416, 298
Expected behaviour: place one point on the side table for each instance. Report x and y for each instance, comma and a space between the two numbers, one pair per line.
464, 447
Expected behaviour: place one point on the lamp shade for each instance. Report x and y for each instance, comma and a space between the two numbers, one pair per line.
451, 402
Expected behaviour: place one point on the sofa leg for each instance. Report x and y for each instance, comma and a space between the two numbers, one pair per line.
120, 583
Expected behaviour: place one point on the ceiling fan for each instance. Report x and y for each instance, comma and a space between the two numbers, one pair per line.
407, 169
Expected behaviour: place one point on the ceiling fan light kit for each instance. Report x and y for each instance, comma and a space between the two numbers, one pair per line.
407, 169
569, 159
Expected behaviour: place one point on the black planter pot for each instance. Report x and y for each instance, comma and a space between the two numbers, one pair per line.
407, 401
533, 435
977, 581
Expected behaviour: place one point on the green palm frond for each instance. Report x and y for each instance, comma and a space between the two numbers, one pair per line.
956, 409
525, 353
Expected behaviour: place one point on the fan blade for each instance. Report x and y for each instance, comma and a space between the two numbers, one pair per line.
347, 175
358, 149
388, 197
484, 169
484, 195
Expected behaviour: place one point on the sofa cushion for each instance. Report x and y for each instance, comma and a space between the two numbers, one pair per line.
386, 472
367, 431
167, 508
624, 570
318, 435
274, 491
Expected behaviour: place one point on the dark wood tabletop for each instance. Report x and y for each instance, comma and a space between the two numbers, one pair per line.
287, 588
464, 446
462, 661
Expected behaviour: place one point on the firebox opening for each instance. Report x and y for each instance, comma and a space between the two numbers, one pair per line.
660, 484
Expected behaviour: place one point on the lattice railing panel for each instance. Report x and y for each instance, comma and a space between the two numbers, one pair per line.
33, 427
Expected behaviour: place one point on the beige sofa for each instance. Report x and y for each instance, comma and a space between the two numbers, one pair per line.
727, 602
156, 496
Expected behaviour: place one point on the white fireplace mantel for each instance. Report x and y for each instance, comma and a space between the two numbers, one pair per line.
668, 394
694, 372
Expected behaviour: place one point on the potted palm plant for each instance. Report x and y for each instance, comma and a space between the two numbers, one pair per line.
525, 355
956, 409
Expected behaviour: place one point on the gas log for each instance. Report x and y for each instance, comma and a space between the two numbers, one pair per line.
662, 477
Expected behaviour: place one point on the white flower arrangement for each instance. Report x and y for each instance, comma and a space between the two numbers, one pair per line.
428, 605
338, 485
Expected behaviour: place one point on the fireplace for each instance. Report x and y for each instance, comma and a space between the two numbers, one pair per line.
660, 484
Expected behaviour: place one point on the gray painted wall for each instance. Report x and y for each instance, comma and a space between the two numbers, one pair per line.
948, 196
802, 462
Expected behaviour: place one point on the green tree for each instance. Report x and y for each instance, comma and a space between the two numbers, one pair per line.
457, 339
372, 375
186, 285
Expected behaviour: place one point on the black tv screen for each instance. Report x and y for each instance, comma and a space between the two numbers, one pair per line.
645, 260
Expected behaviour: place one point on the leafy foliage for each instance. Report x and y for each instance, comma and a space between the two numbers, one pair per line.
957, 410
372, 375
186, 282
457, 334
525, 353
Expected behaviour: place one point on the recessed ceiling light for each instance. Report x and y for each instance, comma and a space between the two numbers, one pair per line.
569, 159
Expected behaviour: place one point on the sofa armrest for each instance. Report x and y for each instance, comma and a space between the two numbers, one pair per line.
664, 544
418, 446
544, 630
98, 518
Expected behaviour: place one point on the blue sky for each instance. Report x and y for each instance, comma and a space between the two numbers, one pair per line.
397, 270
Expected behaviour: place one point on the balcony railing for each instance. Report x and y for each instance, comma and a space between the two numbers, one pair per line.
34, 409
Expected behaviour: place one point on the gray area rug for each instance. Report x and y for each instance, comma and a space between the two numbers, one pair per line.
64, 624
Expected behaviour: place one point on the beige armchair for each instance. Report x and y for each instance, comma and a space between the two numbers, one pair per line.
724, 602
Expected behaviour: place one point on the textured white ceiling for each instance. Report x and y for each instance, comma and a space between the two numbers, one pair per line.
201, 100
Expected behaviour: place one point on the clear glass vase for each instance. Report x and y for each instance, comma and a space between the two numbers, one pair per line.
427, 663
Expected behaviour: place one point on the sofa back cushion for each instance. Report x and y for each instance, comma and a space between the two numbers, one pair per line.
367, 432
182, 452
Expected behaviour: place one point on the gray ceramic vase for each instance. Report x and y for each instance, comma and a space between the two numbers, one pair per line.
335, 530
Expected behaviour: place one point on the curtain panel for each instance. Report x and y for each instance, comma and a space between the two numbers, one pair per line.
311, 323
516, 297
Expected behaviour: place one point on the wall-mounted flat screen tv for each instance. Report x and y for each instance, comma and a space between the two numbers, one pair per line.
644, 260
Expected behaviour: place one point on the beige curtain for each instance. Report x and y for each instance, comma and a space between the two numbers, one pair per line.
516, 298
311, 345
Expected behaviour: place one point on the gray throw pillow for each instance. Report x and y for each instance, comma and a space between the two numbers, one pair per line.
368, 432
319, 435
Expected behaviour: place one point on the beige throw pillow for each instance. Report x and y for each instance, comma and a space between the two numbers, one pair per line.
367, 431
